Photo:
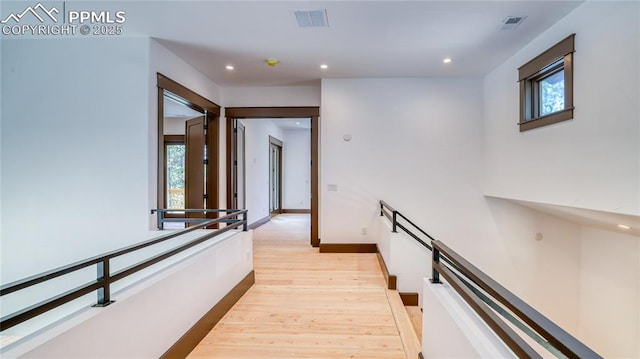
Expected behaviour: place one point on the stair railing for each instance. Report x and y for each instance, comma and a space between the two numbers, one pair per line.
483, 294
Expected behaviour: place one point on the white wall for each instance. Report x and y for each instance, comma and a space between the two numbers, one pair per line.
416, 143
592, 161
271, 96
296, 169
610, 292
75, 148
149, 317
257, 132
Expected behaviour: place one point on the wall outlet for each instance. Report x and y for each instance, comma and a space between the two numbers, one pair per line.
364, 231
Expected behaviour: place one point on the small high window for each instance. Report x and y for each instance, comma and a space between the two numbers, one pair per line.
546, 86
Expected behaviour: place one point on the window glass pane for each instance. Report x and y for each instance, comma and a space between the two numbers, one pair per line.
552, 93
175, 176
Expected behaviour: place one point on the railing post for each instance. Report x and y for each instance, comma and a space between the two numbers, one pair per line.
381, 209
435, 258
395, 222
244, 220
160, 219
104, 292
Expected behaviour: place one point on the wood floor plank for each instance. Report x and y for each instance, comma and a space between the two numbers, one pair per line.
305, 304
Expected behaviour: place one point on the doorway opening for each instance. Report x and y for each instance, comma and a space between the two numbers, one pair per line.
275, 176
187, 150
236, 183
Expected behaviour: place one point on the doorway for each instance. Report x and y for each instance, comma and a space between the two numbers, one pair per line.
313, 114
187, 150
275, 176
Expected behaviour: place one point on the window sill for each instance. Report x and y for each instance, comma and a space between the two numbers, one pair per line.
546, 120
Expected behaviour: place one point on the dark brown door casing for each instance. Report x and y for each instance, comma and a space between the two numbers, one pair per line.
195, 165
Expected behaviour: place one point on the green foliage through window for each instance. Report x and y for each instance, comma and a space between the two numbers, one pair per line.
175, 175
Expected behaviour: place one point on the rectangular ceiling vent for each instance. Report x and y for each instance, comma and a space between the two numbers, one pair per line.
312, 18
511, 22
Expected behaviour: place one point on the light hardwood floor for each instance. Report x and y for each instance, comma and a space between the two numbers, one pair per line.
306, 304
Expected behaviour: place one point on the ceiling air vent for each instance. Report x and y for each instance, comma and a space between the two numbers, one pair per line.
511, 22
312, 18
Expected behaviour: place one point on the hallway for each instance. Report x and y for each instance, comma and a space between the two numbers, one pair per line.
305, 304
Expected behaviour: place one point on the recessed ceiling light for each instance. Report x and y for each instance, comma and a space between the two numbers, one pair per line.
229, 67
446, 60
623, 226
324, 66
297, 123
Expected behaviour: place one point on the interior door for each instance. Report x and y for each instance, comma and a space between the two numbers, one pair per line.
195, 140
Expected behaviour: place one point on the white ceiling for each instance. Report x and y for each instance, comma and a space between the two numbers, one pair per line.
364, 38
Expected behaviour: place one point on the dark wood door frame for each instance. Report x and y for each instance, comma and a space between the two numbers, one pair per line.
235, 113
275, 142
212, 110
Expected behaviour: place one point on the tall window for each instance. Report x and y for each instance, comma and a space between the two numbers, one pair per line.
546, 86
175, 172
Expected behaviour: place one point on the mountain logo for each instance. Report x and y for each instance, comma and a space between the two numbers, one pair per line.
39, 11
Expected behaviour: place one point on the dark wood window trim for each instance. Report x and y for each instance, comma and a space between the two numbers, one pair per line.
199, 103
558, 57
235, 113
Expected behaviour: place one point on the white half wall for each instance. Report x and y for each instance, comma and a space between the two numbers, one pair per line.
150, 316
296, 169
257, 132
592, 161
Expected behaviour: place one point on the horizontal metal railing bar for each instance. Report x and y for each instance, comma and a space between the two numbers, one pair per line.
60, 271
415, 226
387, 215
196, 210
506, 334
153, 260
385, 204
555, 335
508, 315
47, 305
414, 236
63, 298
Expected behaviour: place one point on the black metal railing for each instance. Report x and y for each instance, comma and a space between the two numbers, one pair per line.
487, 297
162, 218
104, 278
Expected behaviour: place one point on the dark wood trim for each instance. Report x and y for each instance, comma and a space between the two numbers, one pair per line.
187, 94
199, 103
547, 120
297, 211
271, 112
553, 54
161, 200
278, 143
259, 222
230, 125
391, 279
234, 113
315, 180
348, 248
409, 299
174, 138
198, 331
556, 58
